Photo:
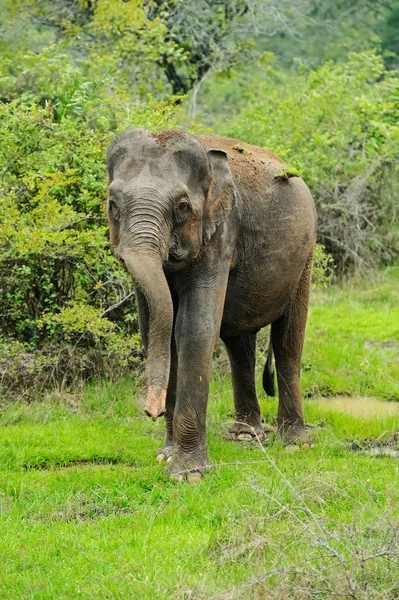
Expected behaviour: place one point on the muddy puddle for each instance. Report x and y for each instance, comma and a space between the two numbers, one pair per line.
361, 407
388, 443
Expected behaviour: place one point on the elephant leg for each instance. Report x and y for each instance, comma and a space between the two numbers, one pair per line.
165, 452
248, 424
197, 330
287, 336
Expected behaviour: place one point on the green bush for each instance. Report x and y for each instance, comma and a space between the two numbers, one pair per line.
339, 126
58, 278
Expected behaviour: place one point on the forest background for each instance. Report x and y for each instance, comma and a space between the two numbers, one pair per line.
314, 81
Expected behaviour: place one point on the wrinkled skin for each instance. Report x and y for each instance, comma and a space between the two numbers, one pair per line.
217, 245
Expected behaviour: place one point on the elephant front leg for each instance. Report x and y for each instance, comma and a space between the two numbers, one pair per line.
197, 330
190, 455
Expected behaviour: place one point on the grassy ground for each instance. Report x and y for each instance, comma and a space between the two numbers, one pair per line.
86, 512
352, 342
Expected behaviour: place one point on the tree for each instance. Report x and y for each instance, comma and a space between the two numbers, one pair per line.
101, 37
218, 35
339, 126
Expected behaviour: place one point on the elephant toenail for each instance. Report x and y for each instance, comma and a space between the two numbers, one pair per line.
194, 476
291, 448
178, 477
161, 457
245, 437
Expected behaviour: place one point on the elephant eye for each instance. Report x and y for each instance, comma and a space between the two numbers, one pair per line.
114, 210
183, 210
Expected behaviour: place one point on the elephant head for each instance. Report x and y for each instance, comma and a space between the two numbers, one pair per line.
167, 196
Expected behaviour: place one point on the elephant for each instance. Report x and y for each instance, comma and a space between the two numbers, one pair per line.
218, 236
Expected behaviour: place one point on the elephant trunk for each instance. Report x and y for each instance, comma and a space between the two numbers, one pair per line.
146, 270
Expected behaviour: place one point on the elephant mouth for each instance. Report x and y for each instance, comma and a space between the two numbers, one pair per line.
177, 259
174, 265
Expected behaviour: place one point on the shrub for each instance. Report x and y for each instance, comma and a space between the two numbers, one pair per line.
339, 126
64, 299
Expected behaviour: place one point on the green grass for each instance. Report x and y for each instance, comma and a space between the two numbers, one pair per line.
86, 511
352, 340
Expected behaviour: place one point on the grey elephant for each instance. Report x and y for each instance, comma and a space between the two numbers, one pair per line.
219, 241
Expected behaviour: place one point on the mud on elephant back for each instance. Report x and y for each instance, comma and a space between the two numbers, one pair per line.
217, 244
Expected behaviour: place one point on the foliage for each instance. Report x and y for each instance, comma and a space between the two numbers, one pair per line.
339, 126
216, 37
323, 268
100, 38
219, 36
287, 172
148, 43
388, 32
58, 278
330, 30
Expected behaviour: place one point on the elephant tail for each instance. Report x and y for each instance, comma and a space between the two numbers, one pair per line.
268, 373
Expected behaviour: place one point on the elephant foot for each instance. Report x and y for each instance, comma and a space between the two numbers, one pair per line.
243, 431
188, 467
294, 435
165, 453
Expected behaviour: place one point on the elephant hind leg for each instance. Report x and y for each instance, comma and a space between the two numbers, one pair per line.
288, 334
248, 423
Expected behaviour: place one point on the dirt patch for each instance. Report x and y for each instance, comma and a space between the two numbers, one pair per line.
5, 504
315, 426
379, 344
379, 447
360, 407
85, 509
93, 513
164, 137
47, 465
272, 426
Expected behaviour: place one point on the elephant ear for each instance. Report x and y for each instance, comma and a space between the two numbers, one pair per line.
114, 202
220, 199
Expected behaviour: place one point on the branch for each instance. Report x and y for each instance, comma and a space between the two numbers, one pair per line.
114, 306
